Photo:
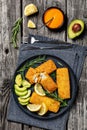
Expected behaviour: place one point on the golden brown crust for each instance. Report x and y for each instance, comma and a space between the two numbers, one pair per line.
63, 83
52, 104
48, 83
30, 75
48, 67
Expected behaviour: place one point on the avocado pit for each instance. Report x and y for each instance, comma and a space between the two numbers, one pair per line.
76, 27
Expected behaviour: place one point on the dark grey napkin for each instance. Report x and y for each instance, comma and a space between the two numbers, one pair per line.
74, 57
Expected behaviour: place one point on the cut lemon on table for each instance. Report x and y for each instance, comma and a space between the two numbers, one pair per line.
43, 109
31, 24
30, 9
39, 90
34, 107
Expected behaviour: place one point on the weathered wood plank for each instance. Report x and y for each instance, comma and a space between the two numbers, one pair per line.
77, 119
9, 12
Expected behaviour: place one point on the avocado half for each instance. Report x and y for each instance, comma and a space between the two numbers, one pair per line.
75, 28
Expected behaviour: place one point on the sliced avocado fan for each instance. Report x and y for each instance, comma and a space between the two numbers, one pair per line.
75, 28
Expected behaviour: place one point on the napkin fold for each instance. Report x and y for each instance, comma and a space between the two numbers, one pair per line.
73, 56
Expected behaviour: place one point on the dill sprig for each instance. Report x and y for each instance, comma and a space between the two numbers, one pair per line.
55, 96
15, 31
31, 63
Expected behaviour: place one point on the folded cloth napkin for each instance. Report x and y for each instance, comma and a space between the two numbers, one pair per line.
74, 56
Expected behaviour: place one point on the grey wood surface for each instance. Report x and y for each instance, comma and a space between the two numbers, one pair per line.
10, 10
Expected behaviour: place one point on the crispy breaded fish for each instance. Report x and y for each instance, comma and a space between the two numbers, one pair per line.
47, 82
52, 104
48, 67
31, 75
43, 78
63, 83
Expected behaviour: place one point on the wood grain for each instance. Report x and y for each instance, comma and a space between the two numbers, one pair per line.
78, 114
10, 10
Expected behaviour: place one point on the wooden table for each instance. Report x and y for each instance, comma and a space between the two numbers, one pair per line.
10, 10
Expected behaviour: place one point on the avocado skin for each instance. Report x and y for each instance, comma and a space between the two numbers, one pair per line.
72, 34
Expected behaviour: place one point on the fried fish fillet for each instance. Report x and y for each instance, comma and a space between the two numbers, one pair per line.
43, 78
52, 104
47, 82
63, 83
48, 67
31, 75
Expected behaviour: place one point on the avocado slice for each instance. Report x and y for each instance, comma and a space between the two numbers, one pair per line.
24, 103
75, 28
18, 79
21, 93
20, 89
23, 100
26, 84
27, 95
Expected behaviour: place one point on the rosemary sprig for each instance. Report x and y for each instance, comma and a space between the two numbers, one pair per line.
55, 96
15, 31
37, 60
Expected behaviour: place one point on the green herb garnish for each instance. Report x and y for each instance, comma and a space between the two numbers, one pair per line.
15, 31
53, 75
59, 63
54, 95
37, 60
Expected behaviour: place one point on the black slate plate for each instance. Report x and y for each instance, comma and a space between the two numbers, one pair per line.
73, 83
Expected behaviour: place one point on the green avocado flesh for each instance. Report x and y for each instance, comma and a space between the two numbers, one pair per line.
18, 79
24, 103
26, 84
21, 93
27, 95
71, 33
20, 89
23, 100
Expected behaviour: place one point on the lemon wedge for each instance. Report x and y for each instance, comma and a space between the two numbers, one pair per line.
34, 107
39, 90
30, 9
43, 110
31, 24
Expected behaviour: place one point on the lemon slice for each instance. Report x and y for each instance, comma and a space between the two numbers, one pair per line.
34, 107
31, 24
39, 90
43, 109
30, 9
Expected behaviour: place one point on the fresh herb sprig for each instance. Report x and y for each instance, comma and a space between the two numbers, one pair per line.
54, 95
15, 31
37, 60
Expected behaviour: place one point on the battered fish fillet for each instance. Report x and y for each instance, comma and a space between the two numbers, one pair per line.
48, 67
47, 82
32, 75
52, 104
43, 78
63, 83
